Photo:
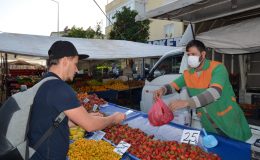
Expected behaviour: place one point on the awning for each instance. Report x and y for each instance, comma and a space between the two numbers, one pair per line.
200, 10
243, 37
34, 45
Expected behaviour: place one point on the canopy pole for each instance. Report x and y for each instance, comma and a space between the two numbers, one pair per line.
6, 75
2, 76
242, 89
232, 64
212, 54
143, 69
192, 30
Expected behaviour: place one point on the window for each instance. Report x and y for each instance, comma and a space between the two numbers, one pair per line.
169, 65
169, 30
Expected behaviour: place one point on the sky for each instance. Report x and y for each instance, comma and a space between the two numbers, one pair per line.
39, 17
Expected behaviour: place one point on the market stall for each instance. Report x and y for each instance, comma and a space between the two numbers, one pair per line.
113, 90
226, 149
22, 74
137, 122
143, 137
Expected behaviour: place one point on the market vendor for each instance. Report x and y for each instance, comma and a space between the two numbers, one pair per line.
210, 93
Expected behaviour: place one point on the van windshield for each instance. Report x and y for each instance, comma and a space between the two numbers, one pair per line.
168, 65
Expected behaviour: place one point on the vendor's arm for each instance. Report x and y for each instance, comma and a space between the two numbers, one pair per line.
212, 94
171, 88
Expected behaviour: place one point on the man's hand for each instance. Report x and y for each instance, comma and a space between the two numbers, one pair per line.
118, 117
71, 124
178, 104
96, 114
158, 93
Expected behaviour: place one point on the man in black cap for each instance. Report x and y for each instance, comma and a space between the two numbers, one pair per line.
56, 96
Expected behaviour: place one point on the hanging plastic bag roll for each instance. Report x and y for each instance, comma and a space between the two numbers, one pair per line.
160, 114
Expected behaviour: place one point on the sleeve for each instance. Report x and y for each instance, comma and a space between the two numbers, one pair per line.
208, 96
178, 83
219, 77
62, 97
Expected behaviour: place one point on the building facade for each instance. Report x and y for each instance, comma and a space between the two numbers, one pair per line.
162, 32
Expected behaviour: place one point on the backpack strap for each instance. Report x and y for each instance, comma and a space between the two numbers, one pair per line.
56, 123
49, 132
37, 85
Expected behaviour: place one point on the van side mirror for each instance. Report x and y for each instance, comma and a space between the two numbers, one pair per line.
150, 77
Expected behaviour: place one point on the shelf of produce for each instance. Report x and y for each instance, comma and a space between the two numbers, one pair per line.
226, 149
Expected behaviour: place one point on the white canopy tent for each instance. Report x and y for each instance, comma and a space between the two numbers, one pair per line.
240, 38
34, 45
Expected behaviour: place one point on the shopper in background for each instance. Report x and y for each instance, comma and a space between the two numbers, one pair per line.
56, 96
211, 94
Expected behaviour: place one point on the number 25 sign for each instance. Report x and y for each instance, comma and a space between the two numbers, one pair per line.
190, 136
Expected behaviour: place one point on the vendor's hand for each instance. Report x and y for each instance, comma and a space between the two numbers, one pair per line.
118, 117
178, 104
96, 114
158, 93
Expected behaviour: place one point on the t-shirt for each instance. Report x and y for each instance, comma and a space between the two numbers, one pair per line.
52, 98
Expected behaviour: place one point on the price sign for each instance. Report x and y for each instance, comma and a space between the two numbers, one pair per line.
98, 135
95, 107
190, 136
86, 100
122, 147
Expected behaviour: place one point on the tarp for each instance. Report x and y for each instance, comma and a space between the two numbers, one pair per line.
35, 45
239, 38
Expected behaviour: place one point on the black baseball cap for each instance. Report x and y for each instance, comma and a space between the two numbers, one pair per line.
60, 49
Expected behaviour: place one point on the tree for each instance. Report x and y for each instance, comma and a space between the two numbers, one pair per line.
89, 33
126, 28
98, 32
76, 32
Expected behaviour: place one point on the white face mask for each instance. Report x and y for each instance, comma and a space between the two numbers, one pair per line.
193, 61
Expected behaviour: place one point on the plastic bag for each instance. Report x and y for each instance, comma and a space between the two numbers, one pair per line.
160, 114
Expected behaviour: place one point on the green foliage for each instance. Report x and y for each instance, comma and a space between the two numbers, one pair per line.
126, 28
89, 33
98, 32
76, 32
